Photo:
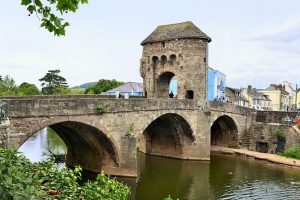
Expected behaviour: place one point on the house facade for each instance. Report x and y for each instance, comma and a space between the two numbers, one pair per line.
216, 85
292, 94
279, 96
257, 99
235, 97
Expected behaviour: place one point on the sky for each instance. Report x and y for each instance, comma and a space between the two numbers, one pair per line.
254, 42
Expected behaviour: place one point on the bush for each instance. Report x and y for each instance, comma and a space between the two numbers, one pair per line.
279, 135
101, 109
292, 152
20, 179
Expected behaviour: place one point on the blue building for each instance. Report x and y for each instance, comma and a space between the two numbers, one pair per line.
131, 88
216, 85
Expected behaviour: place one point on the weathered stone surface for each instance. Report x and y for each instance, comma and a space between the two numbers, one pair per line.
261, 133
183, 57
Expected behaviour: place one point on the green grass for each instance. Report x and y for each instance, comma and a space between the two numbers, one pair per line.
292, 152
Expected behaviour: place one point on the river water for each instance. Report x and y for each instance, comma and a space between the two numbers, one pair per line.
224, 177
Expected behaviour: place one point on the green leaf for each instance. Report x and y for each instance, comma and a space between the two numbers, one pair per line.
25, 2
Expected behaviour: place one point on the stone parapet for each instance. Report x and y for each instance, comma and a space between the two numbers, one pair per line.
24, 107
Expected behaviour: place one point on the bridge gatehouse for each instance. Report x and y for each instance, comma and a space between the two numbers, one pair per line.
183, 127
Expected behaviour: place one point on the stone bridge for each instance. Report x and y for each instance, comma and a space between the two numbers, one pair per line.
108, 140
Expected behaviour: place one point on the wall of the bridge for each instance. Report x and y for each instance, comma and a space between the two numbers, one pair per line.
108, 141
229, 124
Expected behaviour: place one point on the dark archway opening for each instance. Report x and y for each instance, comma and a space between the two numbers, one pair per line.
224, 132
87, 146
166, 135
163, 84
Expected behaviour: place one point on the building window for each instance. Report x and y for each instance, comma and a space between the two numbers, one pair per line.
189, 94
172, 59
163, 60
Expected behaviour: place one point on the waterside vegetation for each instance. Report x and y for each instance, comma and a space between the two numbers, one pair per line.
20, 179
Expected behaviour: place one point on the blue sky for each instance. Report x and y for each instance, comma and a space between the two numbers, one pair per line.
253, 41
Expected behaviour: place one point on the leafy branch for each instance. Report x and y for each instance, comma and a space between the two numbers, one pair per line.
49, 20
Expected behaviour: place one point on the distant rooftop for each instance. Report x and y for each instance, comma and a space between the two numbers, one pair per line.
128, 87
184, 30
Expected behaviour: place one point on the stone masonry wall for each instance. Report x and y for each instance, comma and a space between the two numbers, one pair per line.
190, 67
265, 134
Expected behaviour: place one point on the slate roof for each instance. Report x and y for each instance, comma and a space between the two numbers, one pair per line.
274, 87
241, 97
184, 30
255, 94
128, 87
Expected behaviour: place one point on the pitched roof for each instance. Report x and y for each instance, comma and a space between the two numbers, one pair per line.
128, 87
184, 30
274, 87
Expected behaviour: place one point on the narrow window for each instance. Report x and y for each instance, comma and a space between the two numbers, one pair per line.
189, 94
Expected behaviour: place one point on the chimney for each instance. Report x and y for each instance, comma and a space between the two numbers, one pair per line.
249, 89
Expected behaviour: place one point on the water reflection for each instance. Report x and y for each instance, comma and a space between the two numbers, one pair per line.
36, 147
224, 177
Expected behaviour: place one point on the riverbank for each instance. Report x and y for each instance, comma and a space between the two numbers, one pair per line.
257, 155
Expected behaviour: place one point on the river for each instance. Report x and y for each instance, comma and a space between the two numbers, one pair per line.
224, 177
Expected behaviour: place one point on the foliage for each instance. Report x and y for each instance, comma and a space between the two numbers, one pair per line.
8, 87
103, 85
292, 152
20, 179
52, 21
130, 129
28, 89
52, 83
278, 134
77, 91
101, 109
168, 198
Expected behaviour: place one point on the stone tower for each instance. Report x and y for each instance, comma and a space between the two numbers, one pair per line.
179, 50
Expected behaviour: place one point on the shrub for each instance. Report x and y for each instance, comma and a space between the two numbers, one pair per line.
20, 179
279, 135
292, 152
101, 109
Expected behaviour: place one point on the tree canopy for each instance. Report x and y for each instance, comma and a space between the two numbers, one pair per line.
50, 12
28, 89
103, 85
8, 86
52, 82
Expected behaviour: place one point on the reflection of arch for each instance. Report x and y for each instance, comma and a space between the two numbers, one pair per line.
224, 132
163, 83
88, 146
166, 136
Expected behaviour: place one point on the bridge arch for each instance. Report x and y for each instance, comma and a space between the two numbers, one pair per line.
224, 132
167, 135
87, 145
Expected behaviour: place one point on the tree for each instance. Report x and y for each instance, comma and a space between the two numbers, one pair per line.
28, 89
103, 86
50, 20
8, 87
52, 81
